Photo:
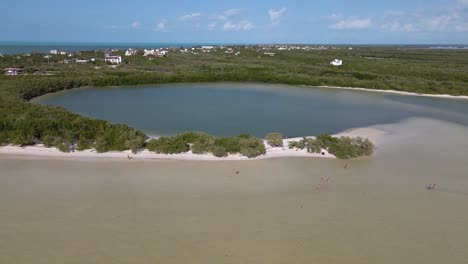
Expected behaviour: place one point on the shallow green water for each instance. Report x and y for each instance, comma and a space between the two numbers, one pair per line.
230, 109
375, 211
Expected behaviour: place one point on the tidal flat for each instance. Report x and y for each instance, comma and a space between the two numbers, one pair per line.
285, 210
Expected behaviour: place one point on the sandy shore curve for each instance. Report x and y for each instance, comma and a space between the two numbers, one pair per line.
39, 150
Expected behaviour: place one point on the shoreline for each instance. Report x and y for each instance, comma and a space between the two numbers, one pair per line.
271, 152
447, 96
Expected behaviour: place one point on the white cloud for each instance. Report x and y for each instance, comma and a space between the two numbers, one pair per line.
136, 25
397, 26
243, 25
445, 20
276, 15
463, 2
229, 13
441, 22
232, 12
161, 26
352, 23
189, 17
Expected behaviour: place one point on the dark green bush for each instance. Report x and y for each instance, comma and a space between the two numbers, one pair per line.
230, 144
348, 148
168, 145
48, 141
190, 137
326, 140
84, 144
219, 151
204, 144
3, 138
252, 147
21, 138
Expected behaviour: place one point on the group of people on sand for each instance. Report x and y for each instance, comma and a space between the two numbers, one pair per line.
323, 182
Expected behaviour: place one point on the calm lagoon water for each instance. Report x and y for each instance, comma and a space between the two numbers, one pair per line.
227, 109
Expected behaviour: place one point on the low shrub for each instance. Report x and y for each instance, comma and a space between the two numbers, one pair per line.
204, 144
219, 151
301, 144
348, 148
230, 144
275, 139
252, 147
3, 138
168, 145
314, 146
342, 147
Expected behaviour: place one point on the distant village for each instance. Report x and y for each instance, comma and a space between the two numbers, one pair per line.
114, 57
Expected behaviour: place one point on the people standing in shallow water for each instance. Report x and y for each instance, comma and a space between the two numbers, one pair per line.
323, 181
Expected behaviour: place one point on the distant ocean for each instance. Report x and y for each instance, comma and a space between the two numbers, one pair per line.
45, 47
42, 47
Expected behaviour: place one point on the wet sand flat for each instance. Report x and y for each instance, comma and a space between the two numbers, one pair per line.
375, 211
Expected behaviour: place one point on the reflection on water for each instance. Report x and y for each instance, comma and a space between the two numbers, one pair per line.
230, 109
375, 211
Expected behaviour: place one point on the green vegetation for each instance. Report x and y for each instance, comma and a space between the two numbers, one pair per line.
168, 145
201, 143
275, 139
341, 147
301, 144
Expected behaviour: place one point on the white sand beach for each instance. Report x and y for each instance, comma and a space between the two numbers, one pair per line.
271, 152
463, 97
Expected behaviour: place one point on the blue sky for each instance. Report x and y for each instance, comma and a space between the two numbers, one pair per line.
252, 21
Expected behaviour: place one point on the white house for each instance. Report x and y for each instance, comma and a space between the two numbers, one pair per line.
131, 52
336, 62
155, 52
113, 59
149, 52
12, 71
81, 61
